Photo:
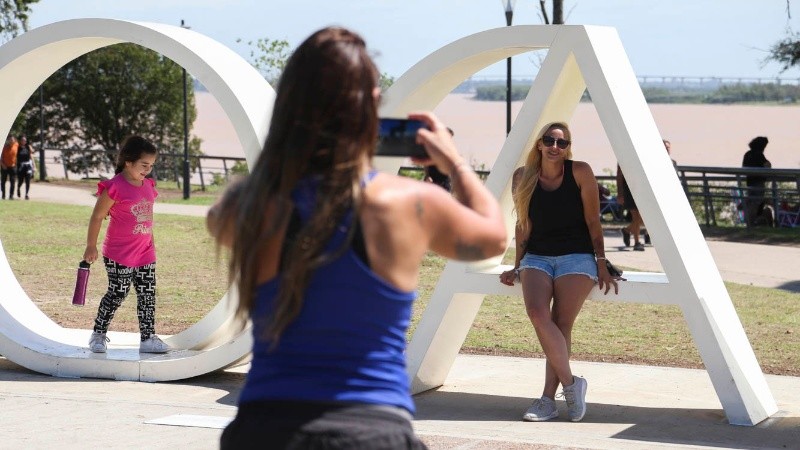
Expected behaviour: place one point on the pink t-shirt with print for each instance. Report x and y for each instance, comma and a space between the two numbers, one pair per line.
129, 238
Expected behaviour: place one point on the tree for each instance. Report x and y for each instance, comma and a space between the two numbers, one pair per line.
558, 12
786, 52
14, 17
270, 56
100, 98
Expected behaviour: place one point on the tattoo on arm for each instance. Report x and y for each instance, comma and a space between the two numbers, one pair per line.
418, 209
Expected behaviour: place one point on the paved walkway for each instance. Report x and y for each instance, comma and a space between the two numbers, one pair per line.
479, 407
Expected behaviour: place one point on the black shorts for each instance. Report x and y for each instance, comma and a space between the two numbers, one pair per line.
302, 425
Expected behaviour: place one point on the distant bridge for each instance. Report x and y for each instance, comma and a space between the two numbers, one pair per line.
684, 81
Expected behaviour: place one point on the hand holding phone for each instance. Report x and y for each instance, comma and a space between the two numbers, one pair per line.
398, 137
438, 142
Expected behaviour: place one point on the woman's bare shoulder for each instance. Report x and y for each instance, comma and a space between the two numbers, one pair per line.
397, 189
583, 173
582, 168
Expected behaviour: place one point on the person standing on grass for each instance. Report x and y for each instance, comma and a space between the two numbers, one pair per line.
326, 251
625, 198
25, 166
560, 256
8, 166
129, 252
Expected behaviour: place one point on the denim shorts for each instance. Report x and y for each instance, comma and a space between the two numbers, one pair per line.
557, 266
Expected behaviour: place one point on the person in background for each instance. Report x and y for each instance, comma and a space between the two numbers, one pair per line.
668, 147
625, 198
755, 211
25, 166
325, 252
129, 251
608, 203
560, 256
8, 166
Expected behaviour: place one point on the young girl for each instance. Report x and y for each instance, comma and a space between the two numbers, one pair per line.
129, 252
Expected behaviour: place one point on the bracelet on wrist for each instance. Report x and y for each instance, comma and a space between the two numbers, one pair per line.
600, 257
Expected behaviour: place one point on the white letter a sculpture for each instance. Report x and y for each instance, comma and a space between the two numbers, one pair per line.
583, 57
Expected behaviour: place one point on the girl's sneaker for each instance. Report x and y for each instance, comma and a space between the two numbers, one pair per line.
153, 344
542, 409
97, 343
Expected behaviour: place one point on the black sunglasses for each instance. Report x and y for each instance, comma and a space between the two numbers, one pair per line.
548, 141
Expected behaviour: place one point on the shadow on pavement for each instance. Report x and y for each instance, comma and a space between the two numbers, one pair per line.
679, 426
220, 380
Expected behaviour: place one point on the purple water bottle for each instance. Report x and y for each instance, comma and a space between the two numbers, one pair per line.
79, 297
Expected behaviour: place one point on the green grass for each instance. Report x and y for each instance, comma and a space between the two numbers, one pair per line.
45, 242
609, 331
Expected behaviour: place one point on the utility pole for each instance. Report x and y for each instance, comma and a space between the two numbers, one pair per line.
42, 167
186, 174
508, 6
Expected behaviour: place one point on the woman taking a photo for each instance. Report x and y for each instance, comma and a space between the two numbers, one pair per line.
325, 252
559, 257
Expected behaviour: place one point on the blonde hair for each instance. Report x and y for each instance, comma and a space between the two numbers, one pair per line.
530, 173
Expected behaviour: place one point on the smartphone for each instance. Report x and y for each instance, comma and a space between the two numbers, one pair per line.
397, 137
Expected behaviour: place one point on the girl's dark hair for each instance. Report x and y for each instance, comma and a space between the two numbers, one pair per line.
324, 124
132, 150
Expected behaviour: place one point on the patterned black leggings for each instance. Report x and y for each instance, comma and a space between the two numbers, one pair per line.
119, 284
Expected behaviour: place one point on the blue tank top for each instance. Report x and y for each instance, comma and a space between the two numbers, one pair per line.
348, 342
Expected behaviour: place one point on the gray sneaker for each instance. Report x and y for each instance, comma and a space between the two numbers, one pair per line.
153, 344
97, 343
575, 396
542, 409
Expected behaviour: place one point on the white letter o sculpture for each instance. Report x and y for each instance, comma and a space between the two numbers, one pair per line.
27, 336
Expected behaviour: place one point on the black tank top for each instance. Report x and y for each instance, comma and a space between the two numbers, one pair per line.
23, 154
559, 227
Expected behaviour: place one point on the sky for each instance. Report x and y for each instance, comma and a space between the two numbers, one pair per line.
691, 38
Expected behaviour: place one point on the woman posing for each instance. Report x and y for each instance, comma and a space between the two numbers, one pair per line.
326, 251
559, 257
129, 252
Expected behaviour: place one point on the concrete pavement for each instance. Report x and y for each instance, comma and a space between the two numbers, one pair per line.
479, 407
